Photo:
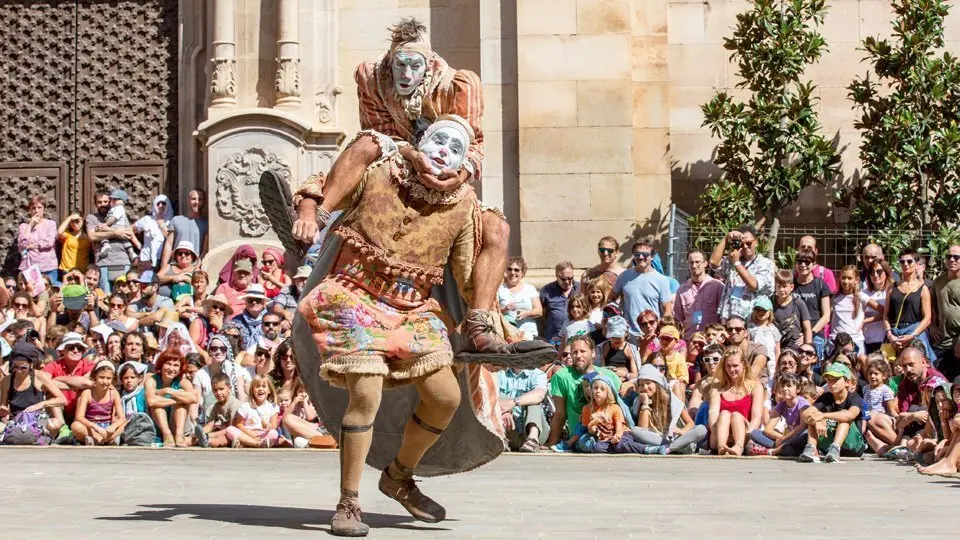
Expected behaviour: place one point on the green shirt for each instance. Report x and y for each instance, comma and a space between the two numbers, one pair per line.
946, 293
566, 384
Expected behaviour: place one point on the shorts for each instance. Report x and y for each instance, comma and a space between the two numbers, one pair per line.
358, 334
853, 445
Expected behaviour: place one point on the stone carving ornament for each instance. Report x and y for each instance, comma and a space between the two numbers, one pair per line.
238, 184
288, 79
223, 85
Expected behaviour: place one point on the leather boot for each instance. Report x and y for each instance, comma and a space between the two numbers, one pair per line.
348, 519
482, 345
406, 492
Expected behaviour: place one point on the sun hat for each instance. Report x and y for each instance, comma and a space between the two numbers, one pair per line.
616, 327
218, 299
70, 338
138, 367
74, 297
186, 245
254, 290
763, 303
838, 370
103, 330
119, 194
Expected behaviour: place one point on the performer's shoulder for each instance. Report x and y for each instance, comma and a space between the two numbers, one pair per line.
366, 71
467, 76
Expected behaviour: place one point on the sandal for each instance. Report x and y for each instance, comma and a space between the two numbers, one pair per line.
530, 446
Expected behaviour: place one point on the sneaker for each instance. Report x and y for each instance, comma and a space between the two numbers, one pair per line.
300, 442
809, 454
897, 454
656, 449
348, 519
406, 492
203, 440
64, 436
757, 450
560, 447
833, 454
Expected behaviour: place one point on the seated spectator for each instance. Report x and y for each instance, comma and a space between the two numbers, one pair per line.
215, 311
272, 277
522, 395
23, 309
75, 308
699, 401
565, 390
736, 406
221, 361
263, 357
176, 279
97, 339
519, 301
241, 276
176, 337
132, 394
116, 317
617, 353
25, 389
221, 414
299, 420
231, 330
784, 423
256, 421
597, 295
928, 446
74, 246
578, 319
151, 306
879, 406
133, 350
605, 423
285, 303
948, 458
37, 240
242, 253
70, 373
754, 354
250, 319
833, 423
100, 417
663, 422
647, 341
808, 359
914, 391
787, 362
169, 396
608, 269
675, 358
275, 328
153, 228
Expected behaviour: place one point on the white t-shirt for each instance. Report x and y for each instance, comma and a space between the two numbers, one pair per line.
768, 336
202, 379
118, 213
875, 332
842, 319
523, 299
258, 417
576, 328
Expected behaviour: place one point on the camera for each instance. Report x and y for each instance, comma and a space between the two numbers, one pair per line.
736, 243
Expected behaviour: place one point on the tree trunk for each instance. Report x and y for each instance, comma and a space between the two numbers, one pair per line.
772, 233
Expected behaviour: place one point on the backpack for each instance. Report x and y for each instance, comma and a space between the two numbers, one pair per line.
139, 431
28, 428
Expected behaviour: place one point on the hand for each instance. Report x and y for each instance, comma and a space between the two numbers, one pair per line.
448, 180
34, 221
512, 306
955, 422
98, 431
906, 338
508, 421
33, 247
305, 228
734, 255
921, 416
277, 308
35, 407
615, 439
821, 429
91, 302
643, 399
216, 321
4, 411
56, 302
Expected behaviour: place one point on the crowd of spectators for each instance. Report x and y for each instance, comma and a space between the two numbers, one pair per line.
742, 358
111, 333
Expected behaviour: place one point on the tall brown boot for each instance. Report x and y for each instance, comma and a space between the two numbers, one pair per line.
482, 345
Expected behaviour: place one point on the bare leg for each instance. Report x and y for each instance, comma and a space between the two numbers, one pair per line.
491, 261
840, 435
882, 427
79, 432
180, 413
298, 427
723, 433
947, 465
53, 427
738, 425
160, 419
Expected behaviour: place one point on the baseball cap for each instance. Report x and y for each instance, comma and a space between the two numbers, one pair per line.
243, 265
74, 297
763, 303
148, 277
670, 331
612, 309
119, 194
838, 370
616, 327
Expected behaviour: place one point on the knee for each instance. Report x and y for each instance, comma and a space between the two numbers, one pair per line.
366, 148
496, 231
807, 415
447, 401
724, 415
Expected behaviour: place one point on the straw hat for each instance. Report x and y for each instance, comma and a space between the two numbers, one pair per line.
220, 300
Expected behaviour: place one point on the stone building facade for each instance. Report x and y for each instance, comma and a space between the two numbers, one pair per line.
592, 106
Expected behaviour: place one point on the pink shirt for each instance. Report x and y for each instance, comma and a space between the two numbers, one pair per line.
233, 296
43, 235
827, 276
697, 305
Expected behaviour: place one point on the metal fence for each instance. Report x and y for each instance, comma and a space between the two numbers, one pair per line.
837, 245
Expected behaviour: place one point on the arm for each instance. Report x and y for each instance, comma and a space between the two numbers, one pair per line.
153, 397
536, 309
756, 410
769, 429
54, 395
165, 277
926, 309
891, 406
846, 415
748, 279
759, 362
716, 256
687, 423
238, 422
74, 382
47, 234
274, 421
185, 396
23, 233
714, 408
167, 251
119, 420
824, 315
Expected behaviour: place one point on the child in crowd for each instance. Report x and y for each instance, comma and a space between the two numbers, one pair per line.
833, 423
763, 331
664, 425
948, 455
133, 399
791, 318
222, 414
99, 417
784, 420
255, 424
673, 351
929, 445
598, 291
604, 420
117, 219
697, 406
578, 322
849, 310
716, 334
879, 405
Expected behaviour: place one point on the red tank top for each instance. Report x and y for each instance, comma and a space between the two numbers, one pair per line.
742, 405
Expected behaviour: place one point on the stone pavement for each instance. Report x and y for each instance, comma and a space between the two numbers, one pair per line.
181, 494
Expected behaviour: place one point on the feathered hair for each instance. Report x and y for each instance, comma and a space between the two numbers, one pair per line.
409, 29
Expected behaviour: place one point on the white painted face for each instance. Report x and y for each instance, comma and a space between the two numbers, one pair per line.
445, 148
408, 71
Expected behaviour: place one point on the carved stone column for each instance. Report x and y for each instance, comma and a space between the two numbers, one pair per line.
223, 81
288, 50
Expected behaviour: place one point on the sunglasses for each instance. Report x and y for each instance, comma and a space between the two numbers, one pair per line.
217, 349
514, 270
116, 305
807, 352
907, 262
564, 355
217, 307
184, 254
20, 305
804, 262
648, 323
75, 347
952, 257
605, 251
877, 272
267, 261
20, 367
642, 254
661, 367
668, 339
736, 329
254, 300
270, 324
711, 359
748, 244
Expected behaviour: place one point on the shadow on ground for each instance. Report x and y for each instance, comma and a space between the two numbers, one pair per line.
299, 519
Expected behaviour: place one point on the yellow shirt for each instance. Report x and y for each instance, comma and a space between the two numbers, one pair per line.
677, 367
75, 252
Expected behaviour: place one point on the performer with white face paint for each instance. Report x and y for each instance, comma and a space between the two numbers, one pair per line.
376, 325
400, 95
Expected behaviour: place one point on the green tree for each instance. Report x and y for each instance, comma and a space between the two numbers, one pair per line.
770, 146
909, 115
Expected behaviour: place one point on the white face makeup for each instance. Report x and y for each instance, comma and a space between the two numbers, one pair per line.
408, 71
445, 148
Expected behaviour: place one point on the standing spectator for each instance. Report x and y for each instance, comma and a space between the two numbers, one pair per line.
879, 282
746, 273
522, 394
113, 261
37, 238
907, 313
809, 243
271, 272
250, 320
642, 288
554, 297
608, 268
518, 300
191, 227
75, 245
153, 226
698, 299
70, 372
946, 291
849, 308
813, 292
240, 276
151, 307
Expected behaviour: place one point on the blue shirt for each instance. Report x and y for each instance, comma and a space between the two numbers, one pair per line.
554, 303
512, 384
640, 292
251, 328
